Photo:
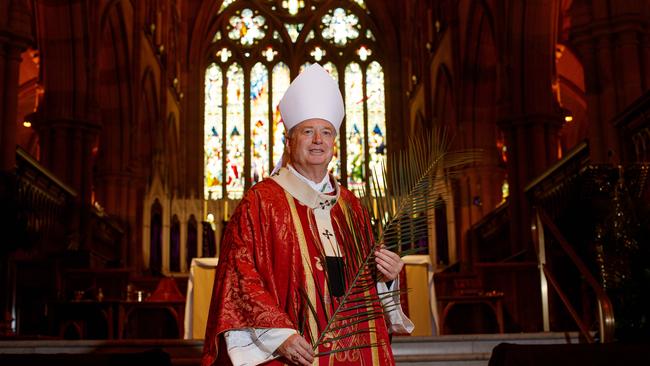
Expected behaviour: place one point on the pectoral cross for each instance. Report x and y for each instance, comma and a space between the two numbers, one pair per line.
327, 234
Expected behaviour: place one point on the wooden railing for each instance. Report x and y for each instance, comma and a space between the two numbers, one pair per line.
44, 203
51, 213
541, 223
568, 186
489, 238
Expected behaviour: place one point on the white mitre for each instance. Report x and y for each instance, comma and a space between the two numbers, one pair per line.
313, 94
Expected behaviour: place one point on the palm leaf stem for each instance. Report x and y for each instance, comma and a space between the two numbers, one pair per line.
376, 344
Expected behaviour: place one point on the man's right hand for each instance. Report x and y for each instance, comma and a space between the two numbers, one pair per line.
297, 350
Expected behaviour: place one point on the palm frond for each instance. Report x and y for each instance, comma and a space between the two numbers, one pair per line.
343, 349
399, 202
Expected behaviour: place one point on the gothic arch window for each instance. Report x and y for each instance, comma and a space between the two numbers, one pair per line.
156, 235
257, 49
175, 245
442, 234
192, 240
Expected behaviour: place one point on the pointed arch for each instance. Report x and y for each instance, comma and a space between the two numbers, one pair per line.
175, 244
271, 38
173, 153
148, 129
156, 238
115, 103
191, 243
444, 110
481, 59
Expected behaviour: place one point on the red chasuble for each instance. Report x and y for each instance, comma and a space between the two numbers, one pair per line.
271, 257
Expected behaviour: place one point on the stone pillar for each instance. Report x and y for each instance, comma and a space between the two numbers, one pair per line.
15, 36
9, 69
529, 113
532, 142
67, 151
611, 39
134, 230
67, 116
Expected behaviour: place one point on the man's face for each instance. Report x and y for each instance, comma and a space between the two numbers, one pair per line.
311, 144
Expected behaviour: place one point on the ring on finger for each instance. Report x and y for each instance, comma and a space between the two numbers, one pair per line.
295, 357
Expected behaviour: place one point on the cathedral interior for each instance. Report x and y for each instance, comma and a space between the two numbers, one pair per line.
130, 129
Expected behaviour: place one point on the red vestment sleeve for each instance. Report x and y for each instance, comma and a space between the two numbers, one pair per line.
257, 281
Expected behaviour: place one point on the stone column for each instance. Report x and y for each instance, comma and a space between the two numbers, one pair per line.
611, 39
9, 69
15, 36
67, 119
529, 114
532, 142
67, 151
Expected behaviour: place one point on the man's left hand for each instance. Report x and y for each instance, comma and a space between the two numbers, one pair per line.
389, 264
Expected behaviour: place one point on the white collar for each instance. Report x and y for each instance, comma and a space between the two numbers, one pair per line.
324, 186
300, 190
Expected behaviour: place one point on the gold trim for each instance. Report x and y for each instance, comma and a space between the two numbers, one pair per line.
373, 335
306, 264
371, 323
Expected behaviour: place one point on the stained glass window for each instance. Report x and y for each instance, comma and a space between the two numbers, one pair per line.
269, 54
331, 68
335, 164
318, 53
354, 131
281, 81
253, 60
247, 27
235, 132
364, 53
340, 26
225, 4
310, 36
259, 99
376, 102
293, 6
213, 133
294, 31
224, 54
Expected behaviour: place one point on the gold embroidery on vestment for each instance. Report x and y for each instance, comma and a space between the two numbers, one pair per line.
306, 264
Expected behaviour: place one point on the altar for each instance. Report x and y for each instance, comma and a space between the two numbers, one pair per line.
419, 277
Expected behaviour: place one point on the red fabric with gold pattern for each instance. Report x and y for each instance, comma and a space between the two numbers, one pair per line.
381, 355
260, 276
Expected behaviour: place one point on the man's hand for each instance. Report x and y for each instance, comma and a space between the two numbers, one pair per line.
297, 350
389, 264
